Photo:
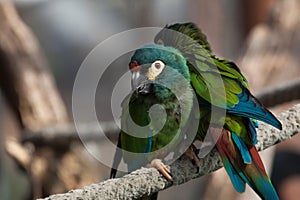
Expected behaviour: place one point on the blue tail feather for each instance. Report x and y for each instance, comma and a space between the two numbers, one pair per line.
242, 147
236, 155
236, 180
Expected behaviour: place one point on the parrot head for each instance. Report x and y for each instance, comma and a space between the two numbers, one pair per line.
158, 70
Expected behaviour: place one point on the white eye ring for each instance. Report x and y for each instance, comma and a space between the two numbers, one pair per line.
155, 69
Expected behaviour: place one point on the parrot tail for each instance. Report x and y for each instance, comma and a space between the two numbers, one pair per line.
117, 159
243, 165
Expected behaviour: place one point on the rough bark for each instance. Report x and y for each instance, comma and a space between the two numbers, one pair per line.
31, 93
24, 78
148, 180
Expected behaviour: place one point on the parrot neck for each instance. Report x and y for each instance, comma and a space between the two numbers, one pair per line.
181, 94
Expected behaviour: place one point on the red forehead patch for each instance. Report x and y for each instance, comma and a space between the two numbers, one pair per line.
133, 65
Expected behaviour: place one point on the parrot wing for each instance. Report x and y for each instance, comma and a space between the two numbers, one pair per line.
217, 82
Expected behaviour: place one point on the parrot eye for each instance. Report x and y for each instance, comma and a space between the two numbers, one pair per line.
155, 69
157, 65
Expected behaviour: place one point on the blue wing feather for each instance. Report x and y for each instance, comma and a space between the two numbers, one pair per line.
252, 126
249, 106
149, 145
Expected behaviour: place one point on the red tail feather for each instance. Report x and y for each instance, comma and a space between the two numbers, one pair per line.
240, 172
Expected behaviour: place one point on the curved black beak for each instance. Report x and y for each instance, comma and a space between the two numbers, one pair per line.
140, 83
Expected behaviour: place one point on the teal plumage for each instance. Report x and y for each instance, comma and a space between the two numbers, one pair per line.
219, 87
238, 137
162, 91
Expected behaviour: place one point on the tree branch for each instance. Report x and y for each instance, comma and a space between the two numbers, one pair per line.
25, 79
146, 181
65, 134
280, 94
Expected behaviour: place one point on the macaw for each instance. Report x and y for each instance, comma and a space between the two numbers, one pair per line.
160, 76
189, 55
236, 139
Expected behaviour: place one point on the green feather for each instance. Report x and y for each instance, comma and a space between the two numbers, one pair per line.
220, 84
136, 107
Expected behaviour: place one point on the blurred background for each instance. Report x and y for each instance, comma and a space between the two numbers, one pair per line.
262, 37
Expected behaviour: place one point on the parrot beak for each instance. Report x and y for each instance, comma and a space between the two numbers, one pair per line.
140, 83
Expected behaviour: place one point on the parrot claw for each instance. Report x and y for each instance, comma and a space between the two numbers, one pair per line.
162, 168
191, 153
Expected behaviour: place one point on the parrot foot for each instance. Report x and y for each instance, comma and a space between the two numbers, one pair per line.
162, 168
191, 153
